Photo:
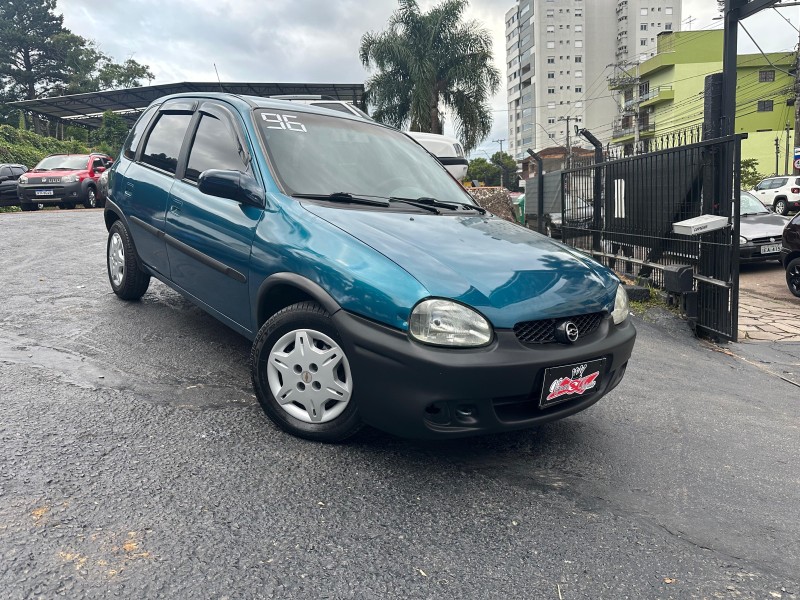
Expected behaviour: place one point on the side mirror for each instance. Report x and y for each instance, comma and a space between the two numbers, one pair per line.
99, 169
233, 185
4, 178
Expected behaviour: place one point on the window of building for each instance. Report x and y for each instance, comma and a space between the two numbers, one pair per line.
766, 76
551, 90
527, 141
643, 42
578, 28
550, 13
643, 27
551, 44
643, 12
668, 10
527, 126
579, 43
765, 106
667, 26
526, 112
551, 105
578, 59
578, 73
551, 60
524, 10
579, 104
552, 136
578, 89
551, 29
551, 74
578, 12
551, 120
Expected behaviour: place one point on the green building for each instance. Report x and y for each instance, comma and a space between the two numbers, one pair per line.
666, 94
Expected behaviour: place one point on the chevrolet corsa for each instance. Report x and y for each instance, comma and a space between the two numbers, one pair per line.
375, 291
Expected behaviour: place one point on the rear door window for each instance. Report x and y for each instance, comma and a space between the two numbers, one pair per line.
164, 143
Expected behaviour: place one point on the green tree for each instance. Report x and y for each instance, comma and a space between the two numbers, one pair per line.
430, 62
506, 163
30, 63
750, 175
112, 133
482, 170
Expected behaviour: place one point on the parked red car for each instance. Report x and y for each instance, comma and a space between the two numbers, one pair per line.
790, 254
64, 180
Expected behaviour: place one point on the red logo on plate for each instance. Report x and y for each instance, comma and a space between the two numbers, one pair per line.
567, 386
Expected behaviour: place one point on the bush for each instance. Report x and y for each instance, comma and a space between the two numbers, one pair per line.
27, 148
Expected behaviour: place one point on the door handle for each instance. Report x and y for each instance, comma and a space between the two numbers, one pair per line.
129, 188
175, 206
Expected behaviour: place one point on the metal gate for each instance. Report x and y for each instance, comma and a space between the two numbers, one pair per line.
627, 222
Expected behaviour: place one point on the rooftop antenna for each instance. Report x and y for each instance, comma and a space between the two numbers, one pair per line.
221, 89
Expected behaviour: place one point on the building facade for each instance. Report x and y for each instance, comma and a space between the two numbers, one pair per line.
559, 54
665, 94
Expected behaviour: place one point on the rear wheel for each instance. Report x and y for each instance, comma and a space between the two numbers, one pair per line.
127, 279
781, 206
91, 199
302, 376
793, 276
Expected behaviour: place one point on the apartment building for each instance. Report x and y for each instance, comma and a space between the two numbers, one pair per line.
559, 55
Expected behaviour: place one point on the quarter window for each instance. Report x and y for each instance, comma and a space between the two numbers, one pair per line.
214, 147
164, 143
132, 142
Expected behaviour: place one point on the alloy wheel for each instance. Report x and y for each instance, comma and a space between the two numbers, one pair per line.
116, 259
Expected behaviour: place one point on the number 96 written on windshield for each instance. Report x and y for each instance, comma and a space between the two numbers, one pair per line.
283, 122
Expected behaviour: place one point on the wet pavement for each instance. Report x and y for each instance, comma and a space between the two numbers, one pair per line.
137, 463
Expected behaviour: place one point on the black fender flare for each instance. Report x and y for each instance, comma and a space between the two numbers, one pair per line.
299, 282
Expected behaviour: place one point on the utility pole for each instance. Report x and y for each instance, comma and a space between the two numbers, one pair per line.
786, 158
501, 158
796, 102
777, 154
569, 146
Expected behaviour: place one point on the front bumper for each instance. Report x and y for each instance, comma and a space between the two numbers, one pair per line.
419, 391
31, 193
752, 253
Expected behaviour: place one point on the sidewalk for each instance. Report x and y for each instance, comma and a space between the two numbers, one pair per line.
763, 319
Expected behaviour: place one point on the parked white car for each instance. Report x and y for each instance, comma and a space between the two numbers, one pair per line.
781, 193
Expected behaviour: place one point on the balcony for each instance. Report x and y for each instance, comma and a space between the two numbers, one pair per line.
621, 135
662, 93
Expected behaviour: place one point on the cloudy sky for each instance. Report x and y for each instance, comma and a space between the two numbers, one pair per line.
309, 40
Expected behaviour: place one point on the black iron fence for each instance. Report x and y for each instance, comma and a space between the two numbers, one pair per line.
630, 226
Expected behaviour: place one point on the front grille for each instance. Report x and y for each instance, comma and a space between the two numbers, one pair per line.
544, 331
767, 240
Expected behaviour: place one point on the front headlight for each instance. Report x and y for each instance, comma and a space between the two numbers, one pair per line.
742, 240
69, 179
621, 308
23, 179
446, 323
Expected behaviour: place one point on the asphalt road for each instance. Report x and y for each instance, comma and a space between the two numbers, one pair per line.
136, 463
766, 279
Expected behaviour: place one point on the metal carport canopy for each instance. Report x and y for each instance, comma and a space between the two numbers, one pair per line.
87, 109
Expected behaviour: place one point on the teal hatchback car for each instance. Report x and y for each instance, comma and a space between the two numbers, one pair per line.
375, 291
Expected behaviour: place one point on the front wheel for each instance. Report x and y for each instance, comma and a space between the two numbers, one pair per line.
302, 377
793, 276
128, 281
781, 207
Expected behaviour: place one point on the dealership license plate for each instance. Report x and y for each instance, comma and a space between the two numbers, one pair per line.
568, 382
770, 249
44, 192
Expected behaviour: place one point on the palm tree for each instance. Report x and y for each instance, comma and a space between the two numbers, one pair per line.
428, 62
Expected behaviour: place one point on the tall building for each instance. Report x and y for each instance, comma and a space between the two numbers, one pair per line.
559, 55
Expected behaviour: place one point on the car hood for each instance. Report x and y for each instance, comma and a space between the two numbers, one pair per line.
764, 225
39, 175
506, 271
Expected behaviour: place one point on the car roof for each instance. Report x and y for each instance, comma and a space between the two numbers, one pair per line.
244, 102
13, 165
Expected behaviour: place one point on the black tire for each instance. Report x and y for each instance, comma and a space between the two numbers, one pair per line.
91, 198
132, 282
793, 276
781, 206
311, 317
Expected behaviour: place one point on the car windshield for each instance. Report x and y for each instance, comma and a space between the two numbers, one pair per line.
752, 205
71, 162
320, 154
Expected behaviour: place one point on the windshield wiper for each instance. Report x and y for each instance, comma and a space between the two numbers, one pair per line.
434, 203
419, 203
342, 197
